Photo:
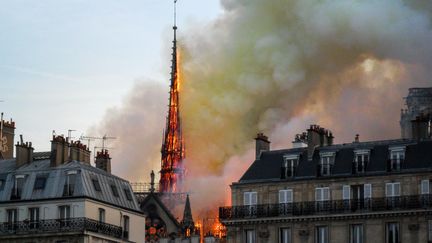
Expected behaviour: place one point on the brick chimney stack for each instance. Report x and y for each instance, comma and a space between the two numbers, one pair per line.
7, 138
262, 144
103, 160
59, 151
24, 153
79, 152
316, 137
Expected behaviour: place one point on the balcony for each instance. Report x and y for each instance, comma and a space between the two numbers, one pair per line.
310, 208
56, 226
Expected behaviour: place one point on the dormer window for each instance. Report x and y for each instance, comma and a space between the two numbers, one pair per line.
326, 163
69, 186
289, 166
397, 157
18, 186
361, 159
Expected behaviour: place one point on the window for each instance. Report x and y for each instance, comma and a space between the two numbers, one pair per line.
286, 196
12, 218
322, 194
321, 234
367, 191
114, 191
96, 185
39, 183
356, 233
101, 215
397, 157
33, 217
285, 235
2, 183
289, 166
326, 163
346, 192
392, 233
18, 186
128, 194
126, 227
69, 185
250, 198
424, 187
361, 159
393, 189
64, 215
250, 236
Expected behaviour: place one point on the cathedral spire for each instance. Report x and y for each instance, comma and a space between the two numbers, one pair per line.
172, 152
187, 224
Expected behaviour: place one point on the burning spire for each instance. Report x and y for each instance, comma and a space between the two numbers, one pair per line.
172, 171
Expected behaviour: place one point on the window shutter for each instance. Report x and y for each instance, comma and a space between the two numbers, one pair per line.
254, 199
282, 196
326, 194
289, 196
425, 187
389, 191
367, 190
246, 198
396, 189
317, 194
346, 192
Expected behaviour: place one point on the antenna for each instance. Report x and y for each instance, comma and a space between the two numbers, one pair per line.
70, 134
104, 138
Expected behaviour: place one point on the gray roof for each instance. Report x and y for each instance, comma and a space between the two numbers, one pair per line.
418, 157
56, 179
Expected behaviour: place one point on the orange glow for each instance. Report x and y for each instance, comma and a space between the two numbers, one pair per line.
173, 153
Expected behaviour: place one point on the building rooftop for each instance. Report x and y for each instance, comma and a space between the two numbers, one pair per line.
418, 157
52, 187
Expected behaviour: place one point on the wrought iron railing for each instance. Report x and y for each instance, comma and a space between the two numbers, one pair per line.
326, 207
60, 225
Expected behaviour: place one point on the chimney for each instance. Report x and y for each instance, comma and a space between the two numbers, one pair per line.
24, 153
357, 138
59, 151
79, 152
262, 144
103, 160
300, 141
421, 127
316, 137
7, 135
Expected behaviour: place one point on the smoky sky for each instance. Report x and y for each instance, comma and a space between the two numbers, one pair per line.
277, 66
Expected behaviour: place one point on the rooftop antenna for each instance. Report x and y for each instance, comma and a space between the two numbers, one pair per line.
70, 134
103, 138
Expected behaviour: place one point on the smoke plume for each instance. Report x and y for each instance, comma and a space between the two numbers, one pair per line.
277, 66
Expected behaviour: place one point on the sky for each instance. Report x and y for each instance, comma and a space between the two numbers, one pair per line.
63, 64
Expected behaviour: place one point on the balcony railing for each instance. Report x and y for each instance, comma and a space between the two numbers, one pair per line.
60, 226
326, 207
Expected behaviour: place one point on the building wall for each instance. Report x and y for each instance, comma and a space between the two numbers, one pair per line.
115, 215
304, 190
48, 210
339, 231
